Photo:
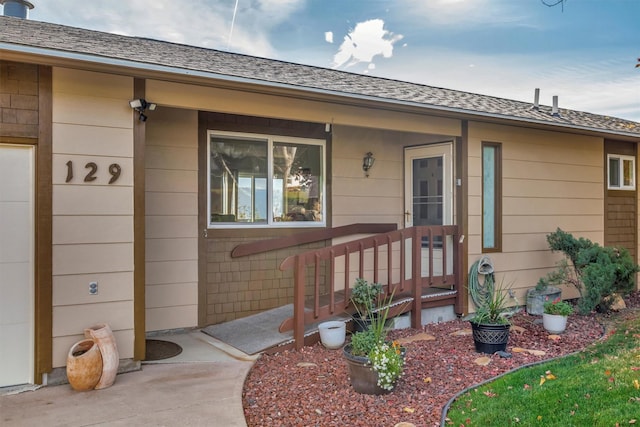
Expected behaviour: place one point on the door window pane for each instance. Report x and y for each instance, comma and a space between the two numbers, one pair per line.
428, 197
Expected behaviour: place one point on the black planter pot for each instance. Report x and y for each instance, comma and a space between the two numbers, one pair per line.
489, 338
360, 324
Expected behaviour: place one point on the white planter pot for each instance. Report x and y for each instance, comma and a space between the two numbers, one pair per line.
332, 334
554, 323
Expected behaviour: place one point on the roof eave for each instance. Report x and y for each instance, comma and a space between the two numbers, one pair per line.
149, 67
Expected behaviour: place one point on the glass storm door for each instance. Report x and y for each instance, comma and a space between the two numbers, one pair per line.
428, 185
429, 196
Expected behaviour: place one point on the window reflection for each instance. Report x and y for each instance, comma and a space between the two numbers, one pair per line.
241, 169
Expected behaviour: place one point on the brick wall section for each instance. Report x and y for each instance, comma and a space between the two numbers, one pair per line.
18, 99
239, 287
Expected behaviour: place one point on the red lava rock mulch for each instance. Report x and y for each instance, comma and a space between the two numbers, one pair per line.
311, 387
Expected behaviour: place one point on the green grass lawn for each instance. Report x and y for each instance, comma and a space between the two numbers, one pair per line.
596, 387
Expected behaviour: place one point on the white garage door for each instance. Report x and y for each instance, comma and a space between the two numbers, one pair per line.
16, 264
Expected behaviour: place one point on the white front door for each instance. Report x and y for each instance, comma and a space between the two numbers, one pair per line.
429, 196
16, 264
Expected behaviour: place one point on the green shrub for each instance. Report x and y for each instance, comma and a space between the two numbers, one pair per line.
596, 271
365, 296
363, 342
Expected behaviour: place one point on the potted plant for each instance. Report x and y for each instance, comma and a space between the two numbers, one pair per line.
554, 318
375, 365
490, 324
365, 297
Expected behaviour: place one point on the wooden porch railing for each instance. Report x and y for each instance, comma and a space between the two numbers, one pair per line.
408, 261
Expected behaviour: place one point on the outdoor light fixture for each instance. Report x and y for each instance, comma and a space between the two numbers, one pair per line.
367, 163
140, 105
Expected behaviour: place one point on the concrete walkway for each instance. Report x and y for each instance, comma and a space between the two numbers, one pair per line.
200, 387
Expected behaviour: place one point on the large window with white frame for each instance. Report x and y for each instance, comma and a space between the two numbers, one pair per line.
621, 172
264, 180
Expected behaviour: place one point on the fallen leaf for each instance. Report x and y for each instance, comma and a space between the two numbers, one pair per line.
518, 350
537, 352
306, 365
554, 337
636, 384
427, 380
318, 411
489, 393
632, 421
607, 372
408, 410
539, 418
550, 376
635, 368
542, 380
526, 386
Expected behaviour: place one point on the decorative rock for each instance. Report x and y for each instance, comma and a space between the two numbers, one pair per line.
524, 350
518, 329
617, 303
504, 354
482, 361
461, 333
404, 424
307, 365
423, 336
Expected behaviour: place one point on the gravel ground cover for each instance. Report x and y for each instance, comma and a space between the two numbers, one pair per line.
311, 387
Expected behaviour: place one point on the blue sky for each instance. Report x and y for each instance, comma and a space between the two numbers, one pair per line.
585, 52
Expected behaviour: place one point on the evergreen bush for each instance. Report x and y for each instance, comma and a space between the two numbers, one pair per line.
596, 271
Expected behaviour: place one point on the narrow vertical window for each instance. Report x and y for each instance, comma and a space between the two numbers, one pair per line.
491, 197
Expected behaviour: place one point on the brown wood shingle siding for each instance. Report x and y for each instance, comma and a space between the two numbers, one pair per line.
621, 207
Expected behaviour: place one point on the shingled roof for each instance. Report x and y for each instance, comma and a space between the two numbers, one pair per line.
57, 40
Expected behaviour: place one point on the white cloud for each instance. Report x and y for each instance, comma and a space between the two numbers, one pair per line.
205, 23
367, 40
328, 37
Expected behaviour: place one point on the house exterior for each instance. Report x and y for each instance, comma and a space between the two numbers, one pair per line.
114, 212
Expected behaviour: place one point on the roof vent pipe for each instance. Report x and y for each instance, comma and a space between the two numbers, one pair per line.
554, 109
16, 8
536, 99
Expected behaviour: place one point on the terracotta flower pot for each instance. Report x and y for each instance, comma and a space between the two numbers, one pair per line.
84, 365
103, 336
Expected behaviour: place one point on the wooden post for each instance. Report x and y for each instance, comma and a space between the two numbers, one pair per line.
298, 303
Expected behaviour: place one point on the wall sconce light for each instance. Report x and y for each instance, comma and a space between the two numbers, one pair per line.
367, 163
140, 105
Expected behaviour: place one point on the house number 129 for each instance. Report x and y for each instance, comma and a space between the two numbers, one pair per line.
114, 171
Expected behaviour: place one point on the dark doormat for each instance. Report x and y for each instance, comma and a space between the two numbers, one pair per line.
158, 350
